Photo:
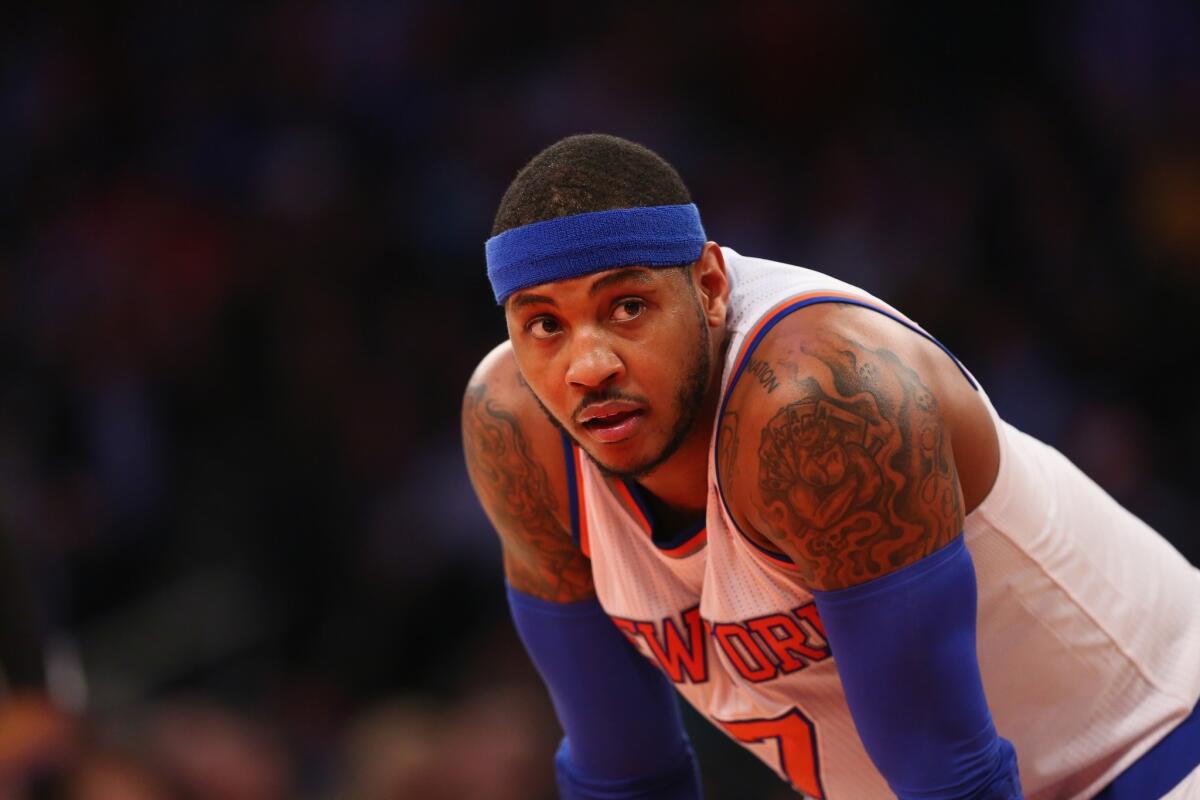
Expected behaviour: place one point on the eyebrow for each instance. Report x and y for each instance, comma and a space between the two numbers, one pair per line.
638, 274
526, 299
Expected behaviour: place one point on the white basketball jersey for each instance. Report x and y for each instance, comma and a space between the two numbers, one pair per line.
1088, 622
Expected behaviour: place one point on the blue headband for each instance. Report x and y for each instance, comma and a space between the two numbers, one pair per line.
567, 247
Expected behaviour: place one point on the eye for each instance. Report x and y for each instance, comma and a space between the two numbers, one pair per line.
628, 309
543, 327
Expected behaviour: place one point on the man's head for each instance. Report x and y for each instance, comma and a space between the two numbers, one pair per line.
618, 337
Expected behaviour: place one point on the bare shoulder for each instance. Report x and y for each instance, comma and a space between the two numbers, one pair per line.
516, 463
837, 448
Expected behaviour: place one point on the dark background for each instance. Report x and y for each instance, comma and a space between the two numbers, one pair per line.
242, 289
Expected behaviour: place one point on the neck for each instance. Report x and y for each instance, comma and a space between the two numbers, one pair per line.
682, 481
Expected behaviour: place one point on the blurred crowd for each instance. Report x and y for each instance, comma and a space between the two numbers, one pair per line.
242, 289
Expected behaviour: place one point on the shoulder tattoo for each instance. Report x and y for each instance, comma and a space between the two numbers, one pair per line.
856, 477
539, 556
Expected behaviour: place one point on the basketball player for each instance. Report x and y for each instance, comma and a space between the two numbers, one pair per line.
776, 493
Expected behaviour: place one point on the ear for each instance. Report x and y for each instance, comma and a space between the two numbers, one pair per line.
712, 284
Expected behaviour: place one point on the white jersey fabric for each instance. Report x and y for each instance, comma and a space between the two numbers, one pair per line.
1088, 622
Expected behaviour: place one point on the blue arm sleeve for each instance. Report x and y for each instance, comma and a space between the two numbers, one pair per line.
624, 736
904, 646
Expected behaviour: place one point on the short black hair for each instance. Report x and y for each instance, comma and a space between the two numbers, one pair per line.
588, 172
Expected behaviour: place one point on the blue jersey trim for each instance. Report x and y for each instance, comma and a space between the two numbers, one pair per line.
572, 488
779, 316
678, 540
1162, 767
812, 301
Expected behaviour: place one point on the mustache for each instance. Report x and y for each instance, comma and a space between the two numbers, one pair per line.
604, 396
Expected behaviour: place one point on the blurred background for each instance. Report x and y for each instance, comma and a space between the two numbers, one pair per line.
242, 289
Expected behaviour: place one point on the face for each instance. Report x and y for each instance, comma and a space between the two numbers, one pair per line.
621, 360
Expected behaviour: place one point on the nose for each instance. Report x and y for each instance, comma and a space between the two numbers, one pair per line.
593, 361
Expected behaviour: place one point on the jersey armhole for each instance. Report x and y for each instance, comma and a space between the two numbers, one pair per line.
575, 503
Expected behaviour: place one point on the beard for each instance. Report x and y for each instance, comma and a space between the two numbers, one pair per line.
689, 400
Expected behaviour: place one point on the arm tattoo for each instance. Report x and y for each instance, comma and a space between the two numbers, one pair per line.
761, 370
856, 477
726, 457
539, 556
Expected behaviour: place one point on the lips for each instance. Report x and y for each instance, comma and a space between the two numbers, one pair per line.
612, 421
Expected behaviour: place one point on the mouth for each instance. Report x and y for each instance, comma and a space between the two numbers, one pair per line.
612, 422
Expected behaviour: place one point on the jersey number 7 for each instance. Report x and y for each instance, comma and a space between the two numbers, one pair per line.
796, 739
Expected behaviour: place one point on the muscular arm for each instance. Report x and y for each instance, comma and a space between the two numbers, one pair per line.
855, 476
508, 445
845, 463
624, 737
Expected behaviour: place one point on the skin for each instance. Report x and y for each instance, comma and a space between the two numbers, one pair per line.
515, 463
852, 444
867, 453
